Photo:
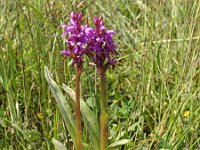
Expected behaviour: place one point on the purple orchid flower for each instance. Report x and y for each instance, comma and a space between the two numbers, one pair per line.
97, 43
101, 44
77, 41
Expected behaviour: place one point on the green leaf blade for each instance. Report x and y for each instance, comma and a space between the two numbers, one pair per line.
89, 117
62, 104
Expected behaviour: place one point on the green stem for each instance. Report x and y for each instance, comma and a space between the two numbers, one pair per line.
77, 108
103, 111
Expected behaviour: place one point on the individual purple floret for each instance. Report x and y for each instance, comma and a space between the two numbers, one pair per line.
101, 44
77, 41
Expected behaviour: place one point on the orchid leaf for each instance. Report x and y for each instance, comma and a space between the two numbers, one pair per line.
63, 105
89, 117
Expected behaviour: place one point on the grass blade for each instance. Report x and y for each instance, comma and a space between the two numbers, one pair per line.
118, 143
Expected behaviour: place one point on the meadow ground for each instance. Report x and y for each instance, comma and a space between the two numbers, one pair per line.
154, 91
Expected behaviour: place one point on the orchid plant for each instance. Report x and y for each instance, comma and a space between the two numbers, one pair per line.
76, 43
103, 50
97, 44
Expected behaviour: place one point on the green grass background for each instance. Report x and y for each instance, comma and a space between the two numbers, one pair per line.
155, 83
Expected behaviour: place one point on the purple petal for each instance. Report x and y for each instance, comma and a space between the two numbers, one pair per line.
79, 16
84, 27
76, 50
98, 21
102, 28
79, 43
111, 32
99, 39
65, 52
63, 26
70, 29
73, 14
89, 32
64, 34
